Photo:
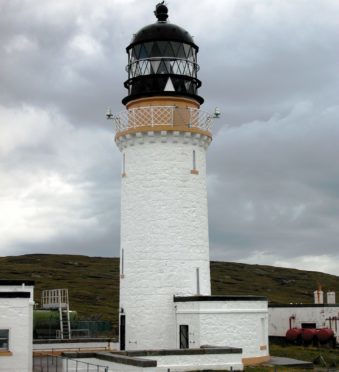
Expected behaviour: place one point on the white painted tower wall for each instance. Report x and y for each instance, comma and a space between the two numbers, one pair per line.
164, 231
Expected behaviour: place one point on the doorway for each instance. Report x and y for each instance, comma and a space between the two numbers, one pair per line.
183, 336
122, 332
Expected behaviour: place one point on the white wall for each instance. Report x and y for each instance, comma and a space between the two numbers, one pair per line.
242, 324
164, 232
279, 317
16, 315
199, 361
164, 362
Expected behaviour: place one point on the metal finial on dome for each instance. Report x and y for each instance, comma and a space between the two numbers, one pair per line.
161, 11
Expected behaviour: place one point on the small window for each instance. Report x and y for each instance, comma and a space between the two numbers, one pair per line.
4, 339
194, 164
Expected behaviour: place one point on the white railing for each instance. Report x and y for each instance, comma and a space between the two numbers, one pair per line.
54, 298
152, 116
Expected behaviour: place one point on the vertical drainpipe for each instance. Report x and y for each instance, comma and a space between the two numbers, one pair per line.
292, 317
198, 280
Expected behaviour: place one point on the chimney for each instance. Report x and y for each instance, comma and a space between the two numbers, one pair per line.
319, 296
330, 297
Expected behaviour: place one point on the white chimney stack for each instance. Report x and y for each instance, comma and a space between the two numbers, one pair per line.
318, 297
330, 297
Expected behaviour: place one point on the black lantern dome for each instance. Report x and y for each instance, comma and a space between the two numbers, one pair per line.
162, 61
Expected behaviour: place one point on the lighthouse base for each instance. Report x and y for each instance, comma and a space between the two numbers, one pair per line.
204, 325
209, 358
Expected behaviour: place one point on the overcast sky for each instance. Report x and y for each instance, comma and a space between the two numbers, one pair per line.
273, 166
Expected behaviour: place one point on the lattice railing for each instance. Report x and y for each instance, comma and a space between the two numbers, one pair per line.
54, 298
152, 116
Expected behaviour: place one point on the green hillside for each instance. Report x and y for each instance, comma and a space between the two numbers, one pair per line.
93, 282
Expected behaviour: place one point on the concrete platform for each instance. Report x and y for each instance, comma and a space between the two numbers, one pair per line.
289, 362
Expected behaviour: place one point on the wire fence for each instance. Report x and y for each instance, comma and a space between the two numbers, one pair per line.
55, 363
49, 329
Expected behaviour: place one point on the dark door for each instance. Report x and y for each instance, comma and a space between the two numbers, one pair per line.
183, 336
122, 332
308, 325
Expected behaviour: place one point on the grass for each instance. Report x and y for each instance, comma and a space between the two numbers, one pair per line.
280, 285
93, 282
309, 354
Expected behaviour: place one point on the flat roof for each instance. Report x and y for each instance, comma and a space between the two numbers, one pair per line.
16, 282
15, 294
303, 305
218, 298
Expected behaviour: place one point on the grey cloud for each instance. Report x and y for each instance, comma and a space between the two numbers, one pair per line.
272, 171
276, 186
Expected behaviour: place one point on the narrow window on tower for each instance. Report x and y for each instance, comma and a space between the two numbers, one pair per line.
122, 264
123, 165
194, 164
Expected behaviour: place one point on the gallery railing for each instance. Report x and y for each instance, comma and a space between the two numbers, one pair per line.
153, 116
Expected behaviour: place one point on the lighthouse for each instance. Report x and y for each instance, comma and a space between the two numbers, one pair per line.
163, 136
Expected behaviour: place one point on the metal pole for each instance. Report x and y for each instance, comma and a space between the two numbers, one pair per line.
197, 269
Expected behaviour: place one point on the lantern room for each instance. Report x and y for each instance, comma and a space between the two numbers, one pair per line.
162, 61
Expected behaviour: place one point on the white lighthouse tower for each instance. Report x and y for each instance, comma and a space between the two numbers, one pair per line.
163, 137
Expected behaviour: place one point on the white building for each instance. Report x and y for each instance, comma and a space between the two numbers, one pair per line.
319, 315
16, 325
165, 292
